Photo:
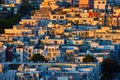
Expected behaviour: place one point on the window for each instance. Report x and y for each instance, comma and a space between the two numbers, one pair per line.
52, 49
54, 16
101, 36
114, 41
98, 2
29, 55
8, 9
96, 18
1, 8
49, 49
19, 50
107, 36
29, 50
53, 59
103, 2
84, 20
61, 17
55, 42
7, 1
96, 35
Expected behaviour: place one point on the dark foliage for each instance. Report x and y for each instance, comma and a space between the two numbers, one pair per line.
109, 67
88, 58
38, 58
7, 23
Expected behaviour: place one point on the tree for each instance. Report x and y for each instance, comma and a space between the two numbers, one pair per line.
38, 57
109, 67
88, 58
7, 23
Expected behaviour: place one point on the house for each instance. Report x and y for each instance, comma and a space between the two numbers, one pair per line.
86, 4
28, 52
51, 52
20, 51
100, 4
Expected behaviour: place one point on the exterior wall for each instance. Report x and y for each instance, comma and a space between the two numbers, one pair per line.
21, 53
